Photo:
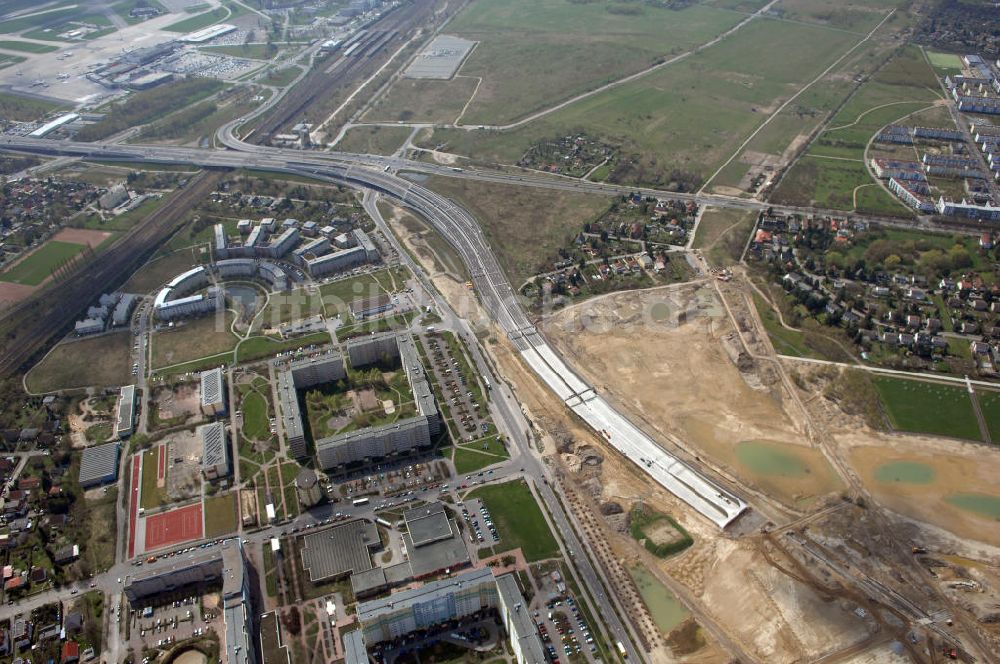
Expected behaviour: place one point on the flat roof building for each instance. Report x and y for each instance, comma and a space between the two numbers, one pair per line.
214, 450
439, 601
99, 465
291, 417
213, 392
125, 414
354, 648
524, 638
372, 306
342, 549
123, 310
433, 541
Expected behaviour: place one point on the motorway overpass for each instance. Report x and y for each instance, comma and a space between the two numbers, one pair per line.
457, 226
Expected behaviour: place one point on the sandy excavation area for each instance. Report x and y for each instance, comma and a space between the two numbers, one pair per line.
956, 468
740, 602
670, 356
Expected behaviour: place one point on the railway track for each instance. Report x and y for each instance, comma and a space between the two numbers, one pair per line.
28, 327
358, 59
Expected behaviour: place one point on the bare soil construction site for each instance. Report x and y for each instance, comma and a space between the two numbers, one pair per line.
689, 365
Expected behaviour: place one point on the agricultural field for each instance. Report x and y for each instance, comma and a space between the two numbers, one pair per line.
713, 100
526, 226
102, 361
519, 520
920, 407
42, 262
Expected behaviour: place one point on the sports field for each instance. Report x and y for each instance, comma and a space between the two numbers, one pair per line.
945, 63
518, 520
42, 262
921, 407
175, 526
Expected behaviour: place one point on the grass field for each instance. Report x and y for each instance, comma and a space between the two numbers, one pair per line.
42, 262
221, 515
989, 404
254, 348
282, 77
199, 21
255, 416
526, 226
472, 457
722, 234
338, 295
23, 109
694, 111
418, 100
833, 169
26, 47
856, 15
373, 140
194, 339
102, 361
532, 53
159, 271
518, 519
920, 407
837, 184
150, 495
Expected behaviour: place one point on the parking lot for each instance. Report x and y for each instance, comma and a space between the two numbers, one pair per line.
482, 532
564, 632
178, 620
468, 416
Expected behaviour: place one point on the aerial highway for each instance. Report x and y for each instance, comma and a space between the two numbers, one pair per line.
707, 496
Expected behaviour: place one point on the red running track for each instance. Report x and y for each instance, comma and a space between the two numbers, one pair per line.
133, 503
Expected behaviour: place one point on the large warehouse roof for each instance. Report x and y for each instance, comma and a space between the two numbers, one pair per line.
340, 549
99, 463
